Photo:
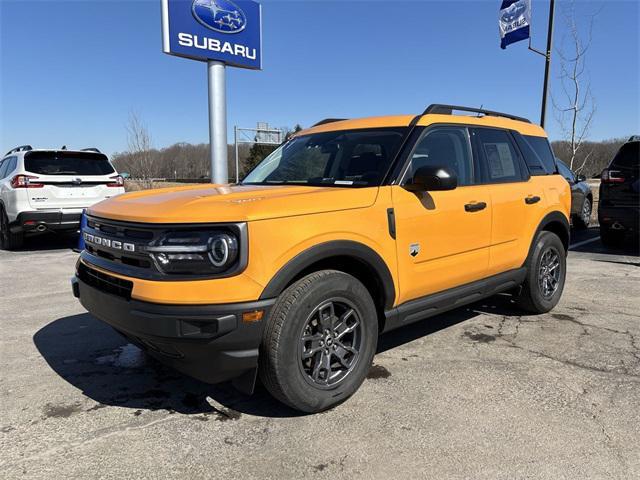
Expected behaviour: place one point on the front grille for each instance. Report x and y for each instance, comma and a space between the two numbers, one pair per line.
127, 260
125, 247
104, 282
120, 231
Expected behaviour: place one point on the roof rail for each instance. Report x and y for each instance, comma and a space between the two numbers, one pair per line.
21, 148
328, 120
441, 109
91, 149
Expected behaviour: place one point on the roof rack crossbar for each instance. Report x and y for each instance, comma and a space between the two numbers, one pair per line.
91, 149
328, 120
442, 109
21, 148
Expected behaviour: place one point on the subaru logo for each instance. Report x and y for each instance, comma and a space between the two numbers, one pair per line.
514, 11
220, 15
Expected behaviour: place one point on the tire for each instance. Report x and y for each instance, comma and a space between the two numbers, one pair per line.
303, 383
9, 240
536, 295
582, 219
611, 238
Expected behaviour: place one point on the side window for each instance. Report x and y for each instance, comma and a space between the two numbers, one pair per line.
541, 146
13, 162
3, 167
534, 162
566, 172
500, 160
445, 147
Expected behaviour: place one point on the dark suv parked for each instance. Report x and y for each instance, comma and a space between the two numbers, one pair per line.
619, 205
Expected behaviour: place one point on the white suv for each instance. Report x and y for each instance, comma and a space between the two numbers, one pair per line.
44, 190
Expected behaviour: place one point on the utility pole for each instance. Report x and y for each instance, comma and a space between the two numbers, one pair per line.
547, 64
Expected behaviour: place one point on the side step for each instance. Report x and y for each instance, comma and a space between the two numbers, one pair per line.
440, 302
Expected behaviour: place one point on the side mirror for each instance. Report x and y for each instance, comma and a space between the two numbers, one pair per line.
581, 178
432, 178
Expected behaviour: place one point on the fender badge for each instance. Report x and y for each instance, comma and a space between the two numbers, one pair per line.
414, 249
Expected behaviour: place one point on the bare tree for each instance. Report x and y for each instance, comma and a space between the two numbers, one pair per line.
139, 142
575, 110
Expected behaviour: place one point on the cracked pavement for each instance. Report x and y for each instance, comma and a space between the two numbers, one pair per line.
483, 392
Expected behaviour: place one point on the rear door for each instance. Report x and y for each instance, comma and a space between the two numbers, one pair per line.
517, 199
71, 180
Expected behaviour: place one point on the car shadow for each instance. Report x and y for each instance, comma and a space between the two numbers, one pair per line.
50, 241
497, 305
629, 246
92, 357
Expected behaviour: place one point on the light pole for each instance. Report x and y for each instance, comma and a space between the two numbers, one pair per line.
217, 121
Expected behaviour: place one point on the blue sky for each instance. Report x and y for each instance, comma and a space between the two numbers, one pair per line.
72, 71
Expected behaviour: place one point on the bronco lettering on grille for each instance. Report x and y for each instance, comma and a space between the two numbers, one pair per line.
105, 242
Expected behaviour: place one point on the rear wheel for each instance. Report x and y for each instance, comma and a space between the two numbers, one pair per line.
546, 272
611, 238
320, 340
583, 219
9, 240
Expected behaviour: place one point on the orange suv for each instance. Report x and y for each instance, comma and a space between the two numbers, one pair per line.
350, 229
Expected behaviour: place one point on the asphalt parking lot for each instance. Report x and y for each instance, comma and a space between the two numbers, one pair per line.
481, 392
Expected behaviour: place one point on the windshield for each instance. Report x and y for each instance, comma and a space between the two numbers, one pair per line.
354, 158
72, 163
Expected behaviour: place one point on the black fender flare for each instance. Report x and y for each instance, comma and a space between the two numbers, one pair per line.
325, 251
560, 225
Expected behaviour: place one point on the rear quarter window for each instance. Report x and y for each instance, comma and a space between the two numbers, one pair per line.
62, 163
541, 147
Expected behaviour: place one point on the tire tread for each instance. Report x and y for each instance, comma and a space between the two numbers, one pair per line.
268, 365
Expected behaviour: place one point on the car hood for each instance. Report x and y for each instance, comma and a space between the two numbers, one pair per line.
230, 203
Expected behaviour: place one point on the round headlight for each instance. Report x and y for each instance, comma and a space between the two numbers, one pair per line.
223, 250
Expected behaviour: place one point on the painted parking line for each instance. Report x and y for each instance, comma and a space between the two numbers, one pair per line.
584, 242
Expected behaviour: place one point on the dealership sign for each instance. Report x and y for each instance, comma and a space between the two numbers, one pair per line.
222, 30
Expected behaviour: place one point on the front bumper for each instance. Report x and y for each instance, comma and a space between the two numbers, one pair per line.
39, 221
209, 342
620, 218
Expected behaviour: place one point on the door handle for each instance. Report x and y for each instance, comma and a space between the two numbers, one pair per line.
531, 200
475, 207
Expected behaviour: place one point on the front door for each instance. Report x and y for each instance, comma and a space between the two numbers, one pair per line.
442, 237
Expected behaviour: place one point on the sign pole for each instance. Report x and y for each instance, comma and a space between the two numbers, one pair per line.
218, 121
547, 65
235, 143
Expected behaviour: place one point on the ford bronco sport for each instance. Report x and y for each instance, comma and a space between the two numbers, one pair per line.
350, 229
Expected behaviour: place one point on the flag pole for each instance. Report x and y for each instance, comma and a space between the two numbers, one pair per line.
547, 64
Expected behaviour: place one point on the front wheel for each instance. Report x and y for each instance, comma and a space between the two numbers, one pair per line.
546, 272
319, 342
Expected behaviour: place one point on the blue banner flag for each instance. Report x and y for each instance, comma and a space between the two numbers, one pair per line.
514, 19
